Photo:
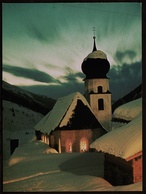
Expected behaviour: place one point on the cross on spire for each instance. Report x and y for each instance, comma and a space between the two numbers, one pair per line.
94, 30
94, 37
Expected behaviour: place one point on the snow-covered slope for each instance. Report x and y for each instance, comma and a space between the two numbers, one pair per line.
31, 169
18, 122
126, 140
38, 103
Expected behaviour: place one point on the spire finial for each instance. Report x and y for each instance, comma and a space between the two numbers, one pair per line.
94, 31
94, 37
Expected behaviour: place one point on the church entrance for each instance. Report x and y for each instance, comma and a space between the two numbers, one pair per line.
84, 145
68, 145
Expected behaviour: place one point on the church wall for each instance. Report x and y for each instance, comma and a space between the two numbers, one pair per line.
73, 137
104, 116
96, 91
74, 140
92, 85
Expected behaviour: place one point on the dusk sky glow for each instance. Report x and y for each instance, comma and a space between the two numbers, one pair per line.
44, 45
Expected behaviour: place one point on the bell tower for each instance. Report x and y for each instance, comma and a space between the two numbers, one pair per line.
95, 66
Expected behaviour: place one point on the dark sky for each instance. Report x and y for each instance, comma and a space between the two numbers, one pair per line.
44, 45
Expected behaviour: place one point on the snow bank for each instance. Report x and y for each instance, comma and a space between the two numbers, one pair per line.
33, 148
122, 142
129, 110
30, 169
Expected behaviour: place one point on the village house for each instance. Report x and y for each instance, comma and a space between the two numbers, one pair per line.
123, 153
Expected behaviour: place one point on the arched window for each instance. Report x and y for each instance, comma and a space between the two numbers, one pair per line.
84, 145
99, 89
68, 145
100, 104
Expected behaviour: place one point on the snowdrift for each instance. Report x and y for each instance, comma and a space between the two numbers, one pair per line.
30, 169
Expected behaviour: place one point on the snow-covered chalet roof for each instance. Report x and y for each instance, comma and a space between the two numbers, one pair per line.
61, 113
129, 110
124, 141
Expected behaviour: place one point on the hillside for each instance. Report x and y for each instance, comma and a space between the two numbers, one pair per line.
133, 95
37, 103
18, 122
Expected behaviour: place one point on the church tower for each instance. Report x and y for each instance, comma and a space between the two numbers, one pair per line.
95, 66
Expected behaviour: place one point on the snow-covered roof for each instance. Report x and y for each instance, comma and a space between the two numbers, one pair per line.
124, 141
129, 110
61, 113
96, 54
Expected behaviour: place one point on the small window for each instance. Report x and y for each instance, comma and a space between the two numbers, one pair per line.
99, 89
100, 104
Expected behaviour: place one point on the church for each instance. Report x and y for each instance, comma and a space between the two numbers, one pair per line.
76, 120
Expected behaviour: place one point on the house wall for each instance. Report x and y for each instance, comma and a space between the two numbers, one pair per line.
136, 161
117, 171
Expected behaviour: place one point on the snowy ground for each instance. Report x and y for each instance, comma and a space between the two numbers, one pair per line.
32, 168
36, 167
16, 120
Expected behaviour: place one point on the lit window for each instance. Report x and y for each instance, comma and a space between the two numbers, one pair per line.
83, 145
68, 146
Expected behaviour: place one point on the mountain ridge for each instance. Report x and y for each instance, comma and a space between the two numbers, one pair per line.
133, 95
38, 103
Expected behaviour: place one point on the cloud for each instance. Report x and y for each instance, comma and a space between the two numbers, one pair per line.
123, 56
71, 84
33, 74
43, 34
72, 76
37, 34
125, 78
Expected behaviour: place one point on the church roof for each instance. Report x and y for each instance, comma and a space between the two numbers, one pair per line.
95, 65
63, 111
96, 54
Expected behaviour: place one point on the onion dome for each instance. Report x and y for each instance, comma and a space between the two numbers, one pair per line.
95, 65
